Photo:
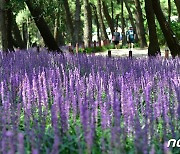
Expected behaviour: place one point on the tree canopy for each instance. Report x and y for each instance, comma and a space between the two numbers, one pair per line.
53, 23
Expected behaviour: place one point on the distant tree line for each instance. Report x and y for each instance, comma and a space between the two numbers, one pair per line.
59, 22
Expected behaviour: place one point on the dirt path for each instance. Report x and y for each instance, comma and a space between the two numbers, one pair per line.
125, 52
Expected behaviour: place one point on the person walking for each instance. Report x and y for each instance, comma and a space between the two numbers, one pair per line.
116, 39
130, 37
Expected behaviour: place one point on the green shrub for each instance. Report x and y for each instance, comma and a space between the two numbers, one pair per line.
95, 49
176, 29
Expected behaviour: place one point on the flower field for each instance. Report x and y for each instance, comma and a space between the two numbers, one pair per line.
88, 104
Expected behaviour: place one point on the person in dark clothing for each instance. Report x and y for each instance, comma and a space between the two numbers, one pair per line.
116, 38
130, 37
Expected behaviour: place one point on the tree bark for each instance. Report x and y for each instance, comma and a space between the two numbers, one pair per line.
69, 19
96, 21
77, 22
57, 32
123, 23
25, 33
169, 11
56, 26
87, 24
177, 2
108, 17
6, 26
104, 35
42, 26
90, 25
112, 12
140, 24
117, 21
17, 34
170, 37
153, 48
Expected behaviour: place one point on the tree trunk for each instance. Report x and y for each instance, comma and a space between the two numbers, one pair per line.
96, 21
131, 19
25, 33
170, 37
69, 20
57, 32
42, 26
90, 25
140, 24
123, 23
169, 11
77, 21
117, 21
87, 24
56, 26
17, 35
6, 26
153, 48
108, 17
112, 12
177, 2
9, 30
104, 35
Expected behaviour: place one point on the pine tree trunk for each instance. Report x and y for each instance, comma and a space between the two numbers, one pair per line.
57, 33
169, 11
69, 20
153, 48
96, 21
56, 26
108, 17
25, 33
177, 2
170, 37
87, 24
42, 26
104, 35
117, 21
17, 35
56, 30
112, 12
77, 22
9, 29
90, 25
123, 23
140, 24
6, 26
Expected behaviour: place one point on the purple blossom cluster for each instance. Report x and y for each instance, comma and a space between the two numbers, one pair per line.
51, 103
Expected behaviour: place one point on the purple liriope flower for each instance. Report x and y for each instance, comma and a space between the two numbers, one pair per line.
55, 148
35, 151
54, 119
21, 143
106, 102
35, 91
44, 88
2, 92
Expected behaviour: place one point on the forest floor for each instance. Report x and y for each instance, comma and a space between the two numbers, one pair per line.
136, 52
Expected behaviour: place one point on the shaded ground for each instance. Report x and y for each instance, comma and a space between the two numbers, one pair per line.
137, 52
125, 52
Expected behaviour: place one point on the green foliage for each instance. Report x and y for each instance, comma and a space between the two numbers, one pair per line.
90, 50
96, 49
176, 29
22, 16
160, 35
